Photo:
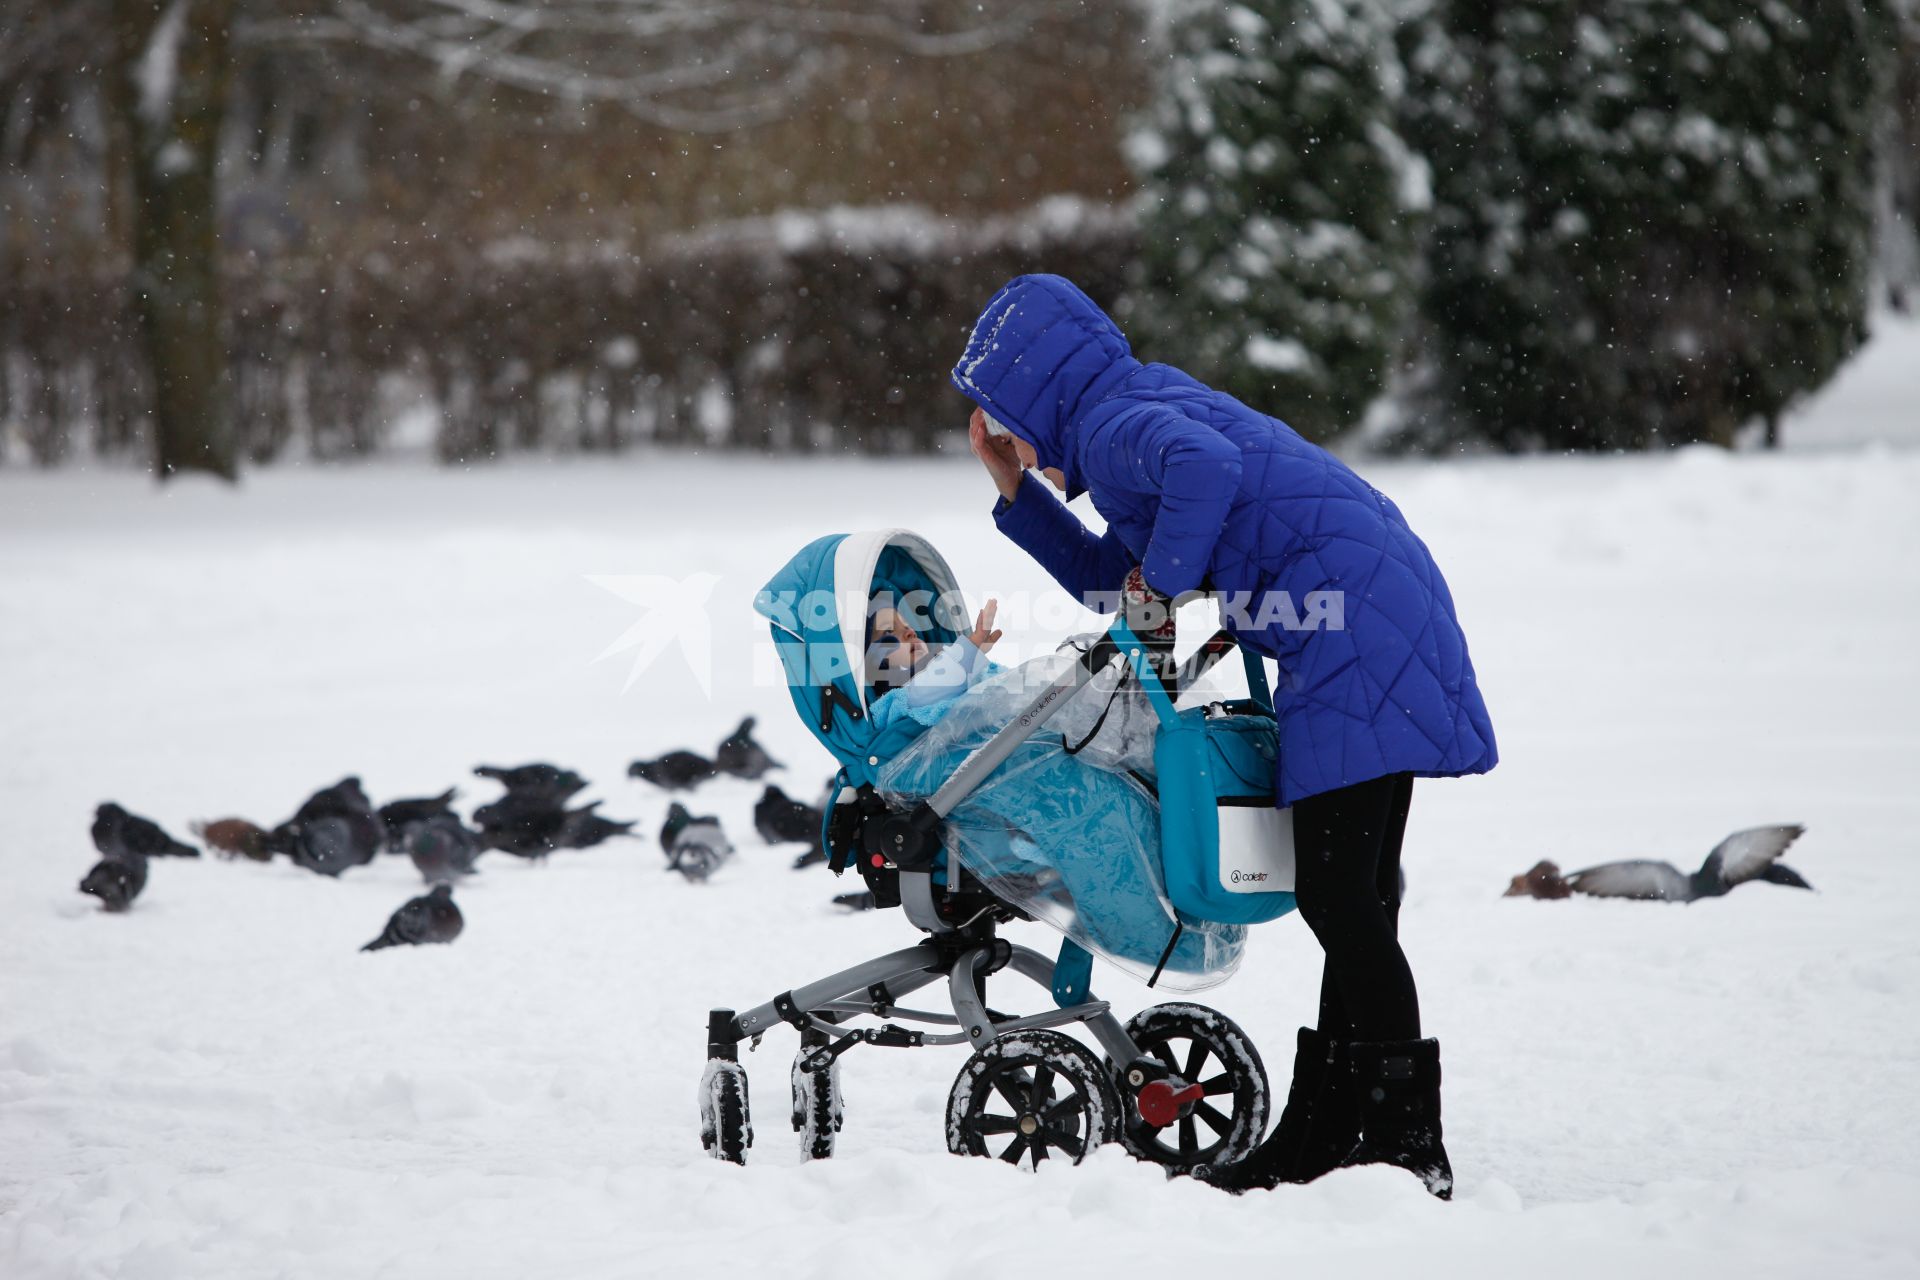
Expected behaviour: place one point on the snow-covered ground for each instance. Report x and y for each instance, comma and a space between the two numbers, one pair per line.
218, 1084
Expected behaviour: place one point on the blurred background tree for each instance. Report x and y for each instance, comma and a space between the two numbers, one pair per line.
1652, 219
1274, 245
1897, 139
168, 66
589, 223
295, 107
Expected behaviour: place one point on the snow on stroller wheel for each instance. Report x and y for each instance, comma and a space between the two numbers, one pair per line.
726, 1130
818, 1110
1031, 1096
1212, 1105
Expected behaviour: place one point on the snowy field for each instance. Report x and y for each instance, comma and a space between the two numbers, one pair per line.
217, 1084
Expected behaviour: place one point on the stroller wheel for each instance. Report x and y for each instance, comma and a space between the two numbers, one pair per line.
818, 1110
726, 1130
1212, 1106
1031, 1096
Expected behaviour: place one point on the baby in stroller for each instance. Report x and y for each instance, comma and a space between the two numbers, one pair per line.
910, 676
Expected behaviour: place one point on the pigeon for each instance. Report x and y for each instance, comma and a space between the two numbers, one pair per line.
353, 829
530, 829
344, 798
674, 771
334, 828
583, 828
326, 846
1542, 880
741, 756
531, 820
694, 846
780, 819
542, 782
519, 825
116, 881
400, 816
432, 917
234, 838
443, 847
119, 834
1752, 854
860, 901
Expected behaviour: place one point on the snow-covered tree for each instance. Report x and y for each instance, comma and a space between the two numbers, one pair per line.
1899, 142
1274, 249
1652, 219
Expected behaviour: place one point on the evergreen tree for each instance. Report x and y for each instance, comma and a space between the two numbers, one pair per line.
1652, 219
1274, 250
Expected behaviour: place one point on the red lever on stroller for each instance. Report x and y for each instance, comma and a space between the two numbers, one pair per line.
1160, 1102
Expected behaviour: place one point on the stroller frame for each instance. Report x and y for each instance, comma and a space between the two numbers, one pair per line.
1149, 1091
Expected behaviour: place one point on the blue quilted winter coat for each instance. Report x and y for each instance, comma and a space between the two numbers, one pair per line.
1199, 490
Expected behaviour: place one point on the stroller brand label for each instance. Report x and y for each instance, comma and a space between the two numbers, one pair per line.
1256, 848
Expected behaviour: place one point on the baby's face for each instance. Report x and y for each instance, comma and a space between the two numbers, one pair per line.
897, 648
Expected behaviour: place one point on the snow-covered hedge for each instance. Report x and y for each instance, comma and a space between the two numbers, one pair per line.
823, 329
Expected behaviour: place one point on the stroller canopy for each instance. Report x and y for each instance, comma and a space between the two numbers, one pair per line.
817, 604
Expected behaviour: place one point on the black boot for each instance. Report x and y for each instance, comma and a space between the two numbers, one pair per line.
1399, 1087
1317, 1129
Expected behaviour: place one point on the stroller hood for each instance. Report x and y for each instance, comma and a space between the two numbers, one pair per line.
817, 604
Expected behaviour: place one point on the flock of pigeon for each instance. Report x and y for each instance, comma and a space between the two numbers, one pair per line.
339, 828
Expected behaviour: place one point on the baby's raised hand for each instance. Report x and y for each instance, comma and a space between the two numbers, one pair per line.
984, 635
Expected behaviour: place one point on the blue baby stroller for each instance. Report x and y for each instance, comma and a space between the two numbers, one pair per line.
1179, 1084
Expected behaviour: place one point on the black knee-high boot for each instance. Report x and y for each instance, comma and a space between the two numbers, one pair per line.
1318, 1127
1399, 1094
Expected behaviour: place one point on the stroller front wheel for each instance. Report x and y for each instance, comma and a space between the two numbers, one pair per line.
818, 1111
1031, 1096
726, 1130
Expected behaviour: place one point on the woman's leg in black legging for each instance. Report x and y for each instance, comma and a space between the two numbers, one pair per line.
1347, 849
1334, 1020
1389, 874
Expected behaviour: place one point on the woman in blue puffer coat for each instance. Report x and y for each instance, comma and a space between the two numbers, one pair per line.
1315, 569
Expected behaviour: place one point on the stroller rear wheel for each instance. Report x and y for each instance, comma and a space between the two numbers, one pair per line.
1211, 1107
1029, 1097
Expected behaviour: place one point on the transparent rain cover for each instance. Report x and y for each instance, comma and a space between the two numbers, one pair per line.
1071, 839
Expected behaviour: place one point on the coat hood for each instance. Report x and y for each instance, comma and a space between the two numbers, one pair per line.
1041, 355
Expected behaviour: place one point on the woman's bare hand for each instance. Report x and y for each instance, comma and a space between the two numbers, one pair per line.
997, 454
984, 635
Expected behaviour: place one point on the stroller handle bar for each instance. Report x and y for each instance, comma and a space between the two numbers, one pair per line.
988, 755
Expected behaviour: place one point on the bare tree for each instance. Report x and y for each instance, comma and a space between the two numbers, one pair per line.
688, 65
167, 78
